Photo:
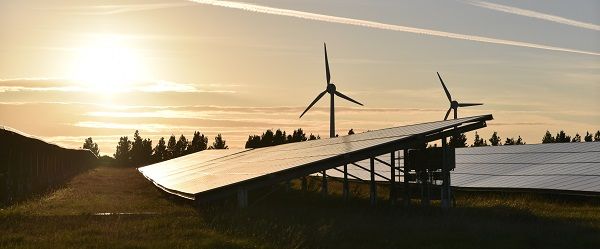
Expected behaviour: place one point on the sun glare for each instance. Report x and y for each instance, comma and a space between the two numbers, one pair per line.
107, 64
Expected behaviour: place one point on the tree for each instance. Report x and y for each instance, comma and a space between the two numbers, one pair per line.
519, 141
548, 138
253, 141
312, 137
588, 136
123, 151
219, 143
146, 151
478, 142
597, 136
351, 132
160, 151
180, 146
141, 150
279, 137
199, 143
90, 145
458, 141
266, 139
495, 140
562, 137
576, 138
136, 148
171, 147
297, 136
270, 138
510, 141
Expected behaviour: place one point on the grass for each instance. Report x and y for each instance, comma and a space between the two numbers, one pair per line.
65, 218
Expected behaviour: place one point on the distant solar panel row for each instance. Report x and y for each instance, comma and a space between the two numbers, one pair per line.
29, 164
212, 171
559, 166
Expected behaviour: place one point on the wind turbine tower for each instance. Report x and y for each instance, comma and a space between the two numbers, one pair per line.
331, 89
454, 105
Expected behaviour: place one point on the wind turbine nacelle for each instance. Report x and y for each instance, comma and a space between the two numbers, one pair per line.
454, 104
331, 88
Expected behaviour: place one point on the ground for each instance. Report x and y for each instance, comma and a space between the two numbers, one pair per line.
68, 217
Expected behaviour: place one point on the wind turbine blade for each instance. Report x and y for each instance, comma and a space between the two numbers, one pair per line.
327, 74
445, 89
447, 113
468, 104
313, 103
346, 97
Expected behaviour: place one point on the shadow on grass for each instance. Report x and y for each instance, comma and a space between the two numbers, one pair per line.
34, 193
277, 218
296, 219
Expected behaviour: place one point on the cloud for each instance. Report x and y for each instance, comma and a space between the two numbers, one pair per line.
66, 85
118, 9
534, 14
122, 126
37, 84
378, 25
168, 86
199, 111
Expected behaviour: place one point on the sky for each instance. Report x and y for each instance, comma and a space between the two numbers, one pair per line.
103, 69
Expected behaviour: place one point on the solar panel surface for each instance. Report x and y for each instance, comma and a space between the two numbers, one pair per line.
558, 166
197, 173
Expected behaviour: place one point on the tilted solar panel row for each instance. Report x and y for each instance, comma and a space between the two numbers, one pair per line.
208, 173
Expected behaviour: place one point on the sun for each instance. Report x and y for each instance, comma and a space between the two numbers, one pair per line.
107, 64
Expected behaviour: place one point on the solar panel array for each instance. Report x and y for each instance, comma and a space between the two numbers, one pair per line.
202, 172
29, 164
557, 166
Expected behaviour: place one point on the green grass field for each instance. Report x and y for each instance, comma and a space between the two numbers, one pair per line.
276, 218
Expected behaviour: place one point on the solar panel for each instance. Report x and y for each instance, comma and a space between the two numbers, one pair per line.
557, 166
200, 174
29, 164
8, 130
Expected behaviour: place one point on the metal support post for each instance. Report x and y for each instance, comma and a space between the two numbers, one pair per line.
346, 188
425, 191
304, 183
373, 192
324, 183
445, 176
406, 187
242, 197
393, 178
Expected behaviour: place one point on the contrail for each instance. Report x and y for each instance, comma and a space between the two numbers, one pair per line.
534, 14
378, 25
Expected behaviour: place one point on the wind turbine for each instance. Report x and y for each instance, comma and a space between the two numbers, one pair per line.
454, 105
332, 91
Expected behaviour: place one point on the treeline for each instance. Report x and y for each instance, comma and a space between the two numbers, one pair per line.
562, 137
495, 140
139, 151
270, 138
